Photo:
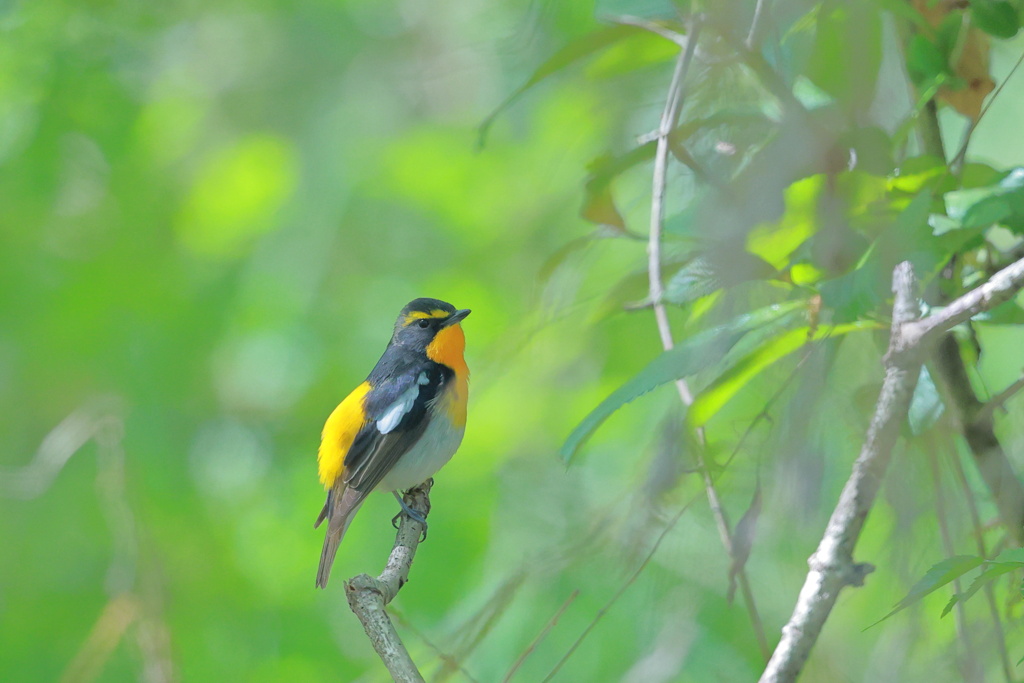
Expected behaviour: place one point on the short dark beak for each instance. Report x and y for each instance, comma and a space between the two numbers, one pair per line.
456, 317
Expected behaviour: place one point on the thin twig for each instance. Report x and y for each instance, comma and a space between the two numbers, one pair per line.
970, 664
669, 117
990, 458
58, 447
447, 658
763, 415
1001, 287
473, 631
979, 539
755, 24
987, 411
618, 594
961, 154
368, 596
648, 25
552, 622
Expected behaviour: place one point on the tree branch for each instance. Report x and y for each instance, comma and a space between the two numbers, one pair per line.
368, 596
1001, 287
832, 565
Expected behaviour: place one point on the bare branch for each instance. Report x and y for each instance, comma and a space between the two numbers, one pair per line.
1001, 287
368, 596
832, 565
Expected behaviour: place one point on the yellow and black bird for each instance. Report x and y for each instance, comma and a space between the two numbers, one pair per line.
401, 425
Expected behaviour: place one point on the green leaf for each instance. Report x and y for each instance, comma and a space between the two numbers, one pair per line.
873, 149
694, 280
714, 271
1014, 556
641, 50
684, 224
935, 578
995, 17
925, 61
980, 581
916, 173
607, 167
1001, 203
715, 396
910, 237
847, 53
686, 358
1007, 313
988, 211
578, 49
979, 175
776, 242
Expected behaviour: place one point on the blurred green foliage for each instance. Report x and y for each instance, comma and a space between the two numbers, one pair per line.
212, 212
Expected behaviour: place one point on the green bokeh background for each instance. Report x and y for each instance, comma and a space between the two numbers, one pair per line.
211, 214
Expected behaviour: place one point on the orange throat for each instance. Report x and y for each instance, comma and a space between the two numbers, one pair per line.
447, 349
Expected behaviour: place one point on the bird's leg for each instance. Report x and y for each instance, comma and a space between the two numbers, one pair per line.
413, 514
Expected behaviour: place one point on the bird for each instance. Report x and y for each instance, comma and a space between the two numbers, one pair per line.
401, 425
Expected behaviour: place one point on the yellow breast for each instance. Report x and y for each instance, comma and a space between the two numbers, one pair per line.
339, 433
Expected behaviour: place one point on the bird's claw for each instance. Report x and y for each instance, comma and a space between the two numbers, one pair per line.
412, 514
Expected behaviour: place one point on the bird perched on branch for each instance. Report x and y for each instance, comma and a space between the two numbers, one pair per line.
401, 425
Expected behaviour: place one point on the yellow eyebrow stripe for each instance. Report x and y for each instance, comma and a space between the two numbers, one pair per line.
419, 315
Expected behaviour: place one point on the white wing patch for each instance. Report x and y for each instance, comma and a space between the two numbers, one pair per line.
400, 408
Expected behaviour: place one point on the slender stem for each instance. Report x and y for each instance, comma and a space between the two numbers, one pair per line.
659, 182
1001, 287
669, 117
552, 622
979, 539
961, 154
970, 664
987, 411
618, 594
755, 24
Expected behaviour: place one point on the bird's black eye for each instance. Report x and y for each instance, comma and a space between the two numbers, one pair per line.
424, 324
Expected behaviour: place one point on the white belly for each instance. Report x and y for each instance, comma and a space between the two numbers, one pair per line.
435, 448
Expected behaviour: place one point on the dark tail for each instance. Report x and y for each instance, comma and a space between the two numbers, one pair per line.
331, 544
342, 505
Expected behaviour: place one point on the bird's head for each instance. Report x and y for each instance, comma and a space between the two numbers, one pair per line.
432, 325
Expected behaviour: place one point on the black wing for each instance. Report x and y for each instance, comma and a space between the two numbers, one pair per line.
397, 416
